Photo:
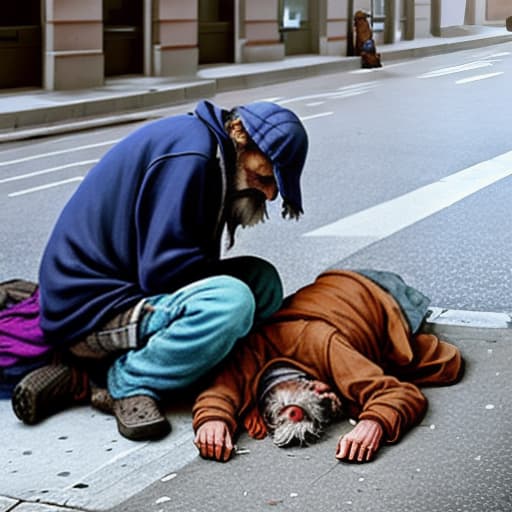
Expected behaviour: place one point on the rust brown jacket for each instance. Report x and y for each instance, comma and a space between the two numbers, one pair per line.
348, 332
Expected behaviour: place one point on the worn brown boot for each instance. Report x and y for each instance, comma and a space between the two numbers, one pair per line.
139, 418
48, 390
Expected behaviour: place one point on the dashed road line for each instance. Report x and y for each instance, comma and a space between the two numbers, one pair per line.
314, 116
59, 152
456, 69
478, 77
48, 171
44, 187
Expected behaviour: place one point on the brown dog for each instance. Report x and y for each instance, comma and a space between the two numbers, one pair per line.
365, 45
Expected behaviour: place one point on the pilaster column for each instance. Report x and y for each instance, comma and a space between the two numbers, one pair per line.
262, 40
175, 26
422, 18
338, 29
73, 44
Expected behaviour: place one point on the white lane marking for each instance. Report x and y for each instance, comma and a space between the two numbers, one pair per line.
314, 116
478, 77
59, 152
315, 104
85, 162
456, 69
47, 171
491, 61
391, 216
360, 85
501, 54
43, 187
273, 100
348, 94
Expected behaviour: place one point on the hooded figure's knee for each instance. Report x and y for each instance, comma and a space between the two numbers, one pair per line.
235, 305
261, 277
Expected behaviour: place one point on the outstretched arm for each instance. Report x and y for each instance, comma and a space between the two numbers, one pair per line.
376, 396
213, 440
361, 443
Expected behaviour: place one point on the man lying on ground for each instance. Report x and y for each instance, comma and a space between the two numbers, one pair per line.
341, 343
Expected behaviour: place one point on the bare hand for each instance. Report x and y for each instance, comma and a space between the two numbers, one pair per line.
213, 441
361, 443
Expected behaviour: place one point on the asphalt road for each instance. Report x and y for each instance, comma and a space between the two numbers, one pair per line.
386, 150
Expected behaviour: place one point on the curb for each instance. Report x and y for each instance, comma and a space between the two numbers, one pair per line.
257, 78
104, 106
470, 319
444, 47
76, 126
468, 325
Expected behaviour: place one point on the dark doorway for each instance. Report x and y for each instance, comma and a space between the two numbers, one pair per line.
122, 37
216, 31
20, 44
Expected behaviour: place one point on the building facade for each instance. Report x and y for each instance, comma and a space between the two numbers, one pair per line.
66, 44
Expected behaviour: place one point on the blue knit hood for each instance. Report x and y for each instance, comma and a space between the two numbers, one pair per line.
277, 132
281, 136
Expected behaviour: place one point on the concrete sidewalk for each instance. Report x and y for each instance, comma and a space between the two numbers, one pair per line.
33, 112
76, 460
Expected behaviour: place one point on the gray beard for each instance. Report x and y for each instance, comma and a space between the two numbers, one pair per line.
319, 412
244, 208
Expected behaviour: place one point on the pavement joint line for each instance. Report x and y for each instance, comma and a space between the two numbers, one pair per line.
8, 504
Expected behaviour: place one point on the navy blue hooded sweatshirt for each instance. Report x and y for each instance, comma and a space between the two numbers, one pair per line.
148, 218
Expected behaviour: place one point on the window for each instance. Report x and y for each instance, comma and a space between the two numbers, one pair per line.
378, 15
294, 12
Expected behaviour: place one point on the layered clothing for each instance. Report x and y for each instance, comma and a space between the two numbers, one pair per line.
347, 331
148, 218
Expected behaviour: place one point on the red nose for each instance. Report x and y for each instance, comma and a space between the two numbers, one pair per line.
294, 413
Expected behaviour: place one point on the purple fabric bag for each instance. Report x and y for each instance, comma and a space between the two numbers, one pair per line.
22, 344
21, 337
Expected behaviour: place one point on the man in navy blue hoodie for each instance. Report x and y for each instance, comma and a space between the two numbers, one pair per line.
132, 270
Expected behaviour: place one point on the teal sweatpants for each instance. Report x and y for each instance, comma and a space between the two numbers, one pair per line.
188, 332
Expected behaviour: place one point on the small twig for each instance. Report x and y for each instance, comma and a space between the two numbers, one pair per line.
324, 473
